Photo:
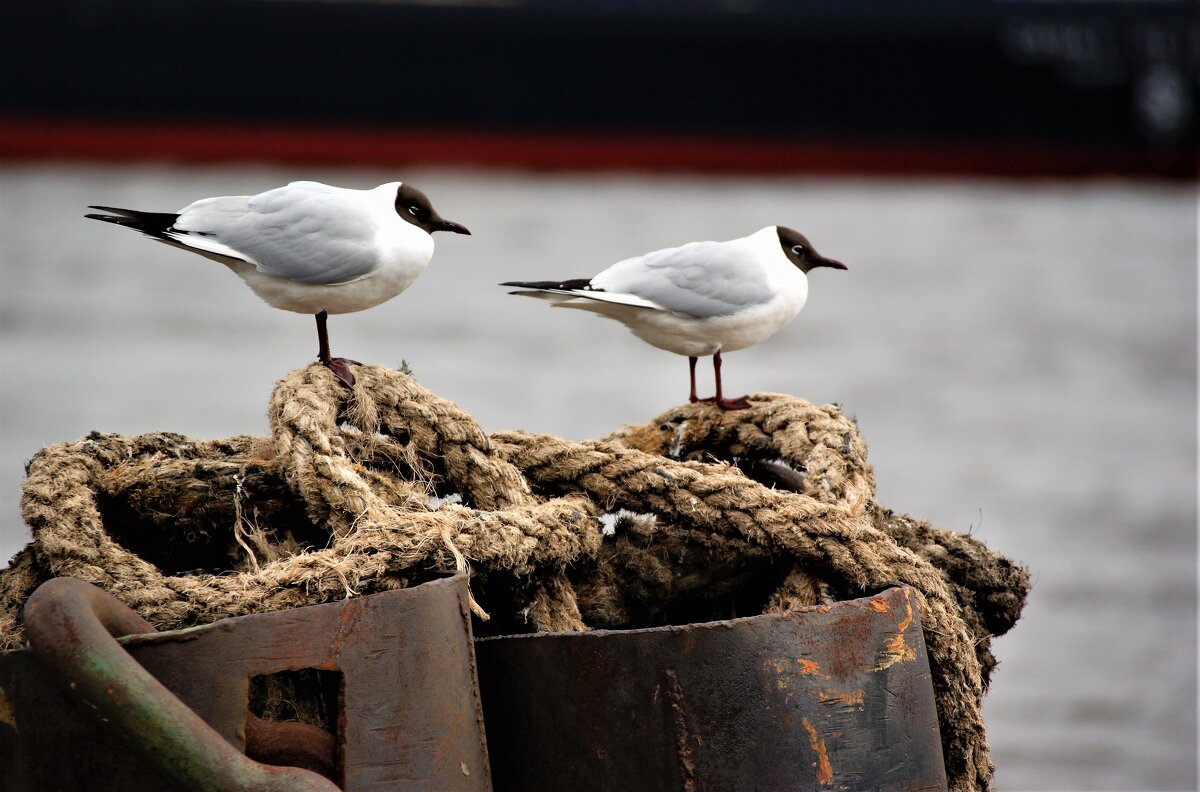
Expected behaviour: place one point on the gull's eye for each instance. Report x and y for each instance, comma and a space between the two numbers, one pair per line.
412, 210
798, 250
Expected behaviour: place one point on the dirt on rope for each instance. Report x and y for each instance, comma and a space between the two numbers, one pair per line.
383, 487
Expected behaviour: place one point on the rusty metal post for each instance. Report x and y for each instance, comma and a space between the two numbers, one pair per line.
409, 714
71, 627
832, 697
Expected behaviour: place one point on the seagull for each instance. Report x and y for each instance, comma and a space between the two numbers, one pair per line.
307, 247
702, 298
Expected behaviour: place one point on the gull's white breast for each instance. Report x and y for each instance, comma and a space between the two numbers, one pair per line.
686, 335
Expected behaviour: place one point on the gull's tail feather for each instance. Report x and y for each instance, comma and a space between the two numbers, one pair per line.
579, 293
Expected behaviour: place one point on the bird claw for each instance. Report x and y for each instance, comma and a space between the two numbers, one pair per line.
341, 369
740, 403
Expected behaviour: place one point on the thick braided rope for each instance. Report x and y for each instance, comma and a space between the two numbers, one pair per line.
306, 410
60, 507
439, 429
820, 440
373, 536
826, 459
305, 415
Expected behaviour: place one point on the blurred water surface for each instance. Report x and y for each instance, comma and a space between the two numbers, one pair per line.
1020, 355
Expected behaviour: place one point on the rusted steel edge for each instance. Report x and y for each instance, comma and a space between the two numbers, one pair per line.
834, 696
71, 626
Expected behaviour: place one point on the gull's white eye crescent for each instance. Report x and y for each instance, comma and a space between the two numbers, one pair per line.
798, 250
412, 210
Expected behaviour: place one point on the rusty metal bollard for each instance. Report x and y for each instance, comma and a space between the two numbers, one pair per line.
834, 697
408, 708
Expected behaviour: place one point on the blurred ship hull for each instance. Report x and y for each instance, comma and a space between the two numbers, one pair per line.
969, 86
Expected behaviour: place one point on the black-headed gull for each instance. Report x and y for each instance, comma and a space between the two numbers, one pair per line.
703, 298
307, 247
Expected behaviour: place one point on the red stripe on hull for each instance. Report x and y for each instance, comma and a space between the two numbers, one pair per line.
215, 142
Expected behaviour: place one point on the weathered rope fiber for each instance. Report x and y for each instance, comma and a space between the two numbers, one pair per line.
380, 488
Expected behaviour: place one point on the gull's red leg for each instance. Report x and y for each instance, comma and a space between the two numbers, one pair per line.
739, 403
338, 366
692, 371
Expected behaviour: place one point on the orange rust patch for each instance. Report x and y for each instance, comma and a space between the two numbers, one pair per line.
840, 697
824, 770
908, 616
899, 647
810, 669
896, 650
879, 605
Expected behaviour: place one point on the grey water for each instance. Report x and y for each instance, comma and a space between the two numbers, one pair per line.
1020, 356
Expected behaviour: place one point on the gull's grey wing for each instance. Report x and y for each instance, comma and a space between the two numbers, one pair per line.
700, 279
306, 232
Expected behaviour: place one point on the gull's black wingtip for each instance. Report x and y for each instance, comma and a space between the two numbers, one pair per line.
154, 224
567, 285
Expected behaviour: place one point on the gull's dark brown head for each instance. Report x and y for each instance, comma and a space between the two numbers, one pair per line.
801, 252
414, 206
